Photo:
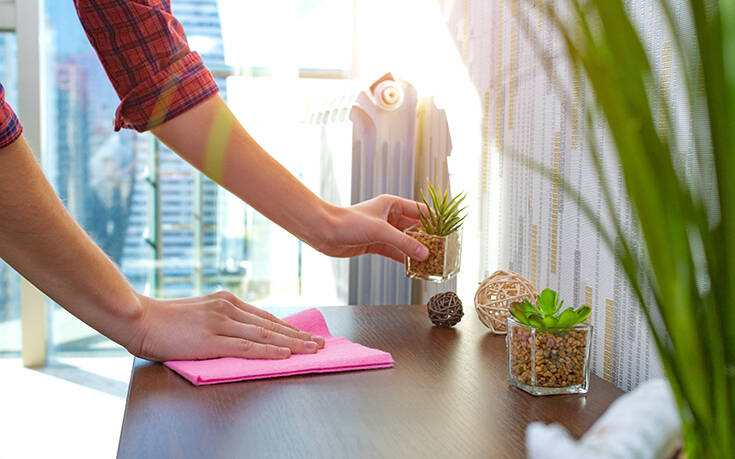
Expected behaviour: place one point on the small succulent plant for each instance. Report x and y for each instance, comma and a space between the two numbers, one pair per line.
443, 218
546, 314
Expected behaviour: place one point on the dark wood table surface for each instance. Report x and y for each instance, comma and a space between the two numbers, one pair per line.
446, 396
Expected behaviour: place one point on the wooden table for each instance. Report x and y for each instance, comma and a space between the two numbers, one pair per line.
447, 396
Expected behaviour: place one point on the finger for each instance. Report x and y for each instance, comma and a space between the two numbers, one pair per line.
257, 334
406, 244
253, 310
247, 318
190, 300
409, 209
387, 251
283, 326
404, 223
228, 346
238, 303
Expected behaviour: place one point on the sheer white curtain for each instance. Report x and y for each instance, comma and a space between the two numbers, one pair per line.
410, 39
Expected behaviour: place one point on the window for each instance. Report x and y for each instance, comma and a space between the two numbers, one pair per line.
313, 37
290, 55
9, 280
207, 238
172, 231
96, 172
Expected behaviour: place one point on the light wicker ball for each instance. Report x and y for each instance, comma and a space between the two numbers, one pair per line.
495, 295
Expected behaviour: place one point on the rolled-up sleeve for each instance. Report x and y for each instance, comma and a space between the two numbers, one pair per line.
10, 127
144, 51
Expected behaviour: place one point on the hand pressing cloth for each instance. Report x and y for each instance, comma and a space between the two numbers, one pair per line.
338, 354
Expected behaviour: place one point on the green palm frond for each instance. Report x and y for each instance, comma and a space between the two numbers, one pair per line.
684, 276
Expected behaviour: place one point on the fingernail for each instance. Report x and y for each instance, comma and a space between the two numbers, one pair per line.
311, 346
422, 252
284, 352
317, 339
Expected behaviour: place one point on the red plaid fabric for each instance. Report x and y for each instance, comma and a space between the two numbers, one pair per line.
10, 128
146, 56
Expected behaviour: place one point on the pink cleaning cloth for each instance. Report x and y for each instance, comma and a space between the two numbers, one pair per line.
338, 354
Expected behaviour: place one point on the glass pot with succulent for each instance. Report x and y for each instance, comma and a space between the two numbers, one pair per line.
548, 349
440, 230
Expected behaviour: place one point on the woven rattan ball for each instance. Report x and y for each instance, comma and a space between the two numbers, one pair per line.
495, 295
445, 309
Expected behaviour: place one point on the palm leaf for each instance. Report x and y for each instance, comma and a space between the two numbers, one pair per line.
687, 231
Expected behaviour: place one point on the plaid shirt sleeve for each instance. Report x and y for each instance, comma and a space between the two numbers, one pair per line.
10, 128
146, 56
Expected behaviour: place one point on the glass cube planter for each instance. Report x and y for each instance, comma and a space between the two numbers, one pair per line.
444, 255
551, 361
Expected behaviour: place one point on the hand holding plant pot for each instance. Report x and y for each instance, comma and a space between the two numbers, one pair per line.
441, 232
548, 349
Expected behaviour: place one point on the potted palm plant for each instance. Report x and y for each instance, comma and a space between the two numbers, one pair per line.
680, 264
548, 349
440, 230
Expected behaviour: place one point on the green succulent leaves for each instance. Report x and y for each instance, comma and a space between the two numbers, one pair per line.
546, 314
444, 213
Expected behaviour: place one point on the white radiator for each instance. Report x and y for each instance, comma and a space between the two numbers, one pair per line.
375, 141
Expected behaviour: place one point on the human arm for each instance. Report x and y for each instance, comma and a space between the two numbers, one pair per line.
42, 242
212, 140
164, 87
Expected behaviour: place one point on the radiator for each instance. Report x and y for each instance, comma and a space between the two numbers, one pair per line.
382, 139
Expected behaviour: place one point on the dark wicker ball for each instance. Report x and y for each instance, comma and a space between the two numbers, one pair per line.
445, 309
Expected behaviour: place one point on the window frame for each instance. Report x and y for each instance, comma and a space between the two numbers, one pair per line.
24, 19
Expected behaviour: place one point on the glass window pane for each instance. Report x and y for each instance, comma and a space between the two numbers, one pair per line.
268, 107
9, 67
9, 281
324, 28
288, 34
186, 236
232, 246
187, 218
99, 174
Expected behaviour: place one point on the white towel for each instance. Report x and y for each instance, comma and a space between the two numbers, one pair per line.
642, 424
